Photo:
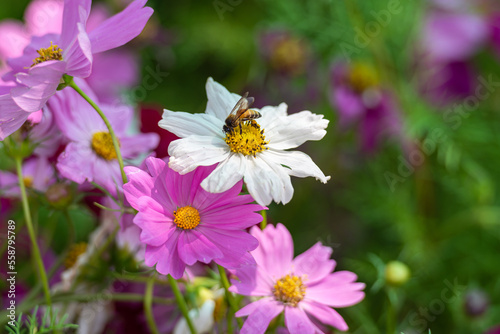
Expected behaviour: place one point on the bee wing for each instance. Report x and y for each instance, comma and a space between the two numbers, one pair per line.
242, 105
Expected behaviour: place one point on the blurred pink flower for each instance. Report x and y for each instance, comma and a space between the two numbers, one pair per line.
304, 288
359, 99
38, 174
38, 72
90, 155
182, 223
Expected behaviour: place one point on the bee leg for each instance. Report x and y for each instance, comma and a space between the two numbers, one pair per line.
241, 130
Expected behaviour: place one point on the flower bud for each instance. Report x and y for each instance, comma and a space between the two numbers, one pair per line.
396, 273
476, 303
59, 195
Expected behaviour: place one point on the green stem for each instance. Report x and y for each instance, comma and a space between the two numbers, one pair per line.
71, 227
116, 144
29, 224
138, 279
263, 223
181, 302
148, 305
229, 296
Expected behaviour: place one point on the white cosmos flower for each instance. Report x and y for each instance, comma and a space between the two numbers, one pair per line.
267, 171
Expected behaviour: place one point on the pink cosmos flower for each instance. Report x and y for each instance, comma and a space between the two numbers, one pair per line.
361, 100
182, 223
90, 155
38, 175
304, 288
38, 72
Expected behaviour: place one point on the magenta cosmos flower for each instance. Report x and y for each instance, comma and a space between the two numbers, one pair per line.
304, 288
182, 223
90, 154
38, 72
360, 99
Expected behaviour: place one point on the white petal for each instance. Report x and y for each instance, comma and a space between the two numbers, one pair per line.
270, 115
226, 175
220, 100
295, 129
188, 153
202, 318
267, 181
183, 124
301, 165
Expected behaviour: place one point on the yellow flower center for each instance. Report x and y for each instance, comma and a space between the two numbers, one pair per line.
289, 54
53, 52
28, 181
363, 76
187, 217
250, 141
289, 290
102, 144
74, 252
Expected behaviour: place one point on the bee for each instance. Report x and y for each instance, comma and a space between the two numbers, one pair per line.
240, 113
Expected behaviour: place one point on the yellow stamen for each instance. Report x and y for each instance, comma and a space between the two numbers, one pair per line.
250, 141
289, 290
363, 76
74, 252
102, 144
187, 217
53, 52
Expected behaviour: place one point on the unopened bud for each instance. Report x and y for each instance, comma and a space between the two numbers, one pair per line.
476, 303
396, 273
59, 195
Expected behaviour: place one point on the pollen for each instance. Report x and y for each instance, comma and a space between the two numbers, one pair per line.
187, 217
289, 290
53, 52
102, 144
249, 141
74, 252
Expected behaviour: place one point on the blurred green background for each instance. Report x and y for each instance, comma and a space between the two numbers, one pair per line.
442, 220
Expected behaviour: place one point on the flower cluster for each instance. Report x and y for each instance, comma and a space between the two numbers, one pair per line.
187, 217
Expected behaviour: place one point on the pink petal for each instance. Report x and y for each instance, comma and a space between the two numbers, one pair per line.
325, 314
161, 179
236, 217
120, 28
252, 281
337, 290
139, 184
75, 11
134, 145
41, 81
233, 244
75, 162
194, 246
260, 314
166, 257
11, 116
107, 174
297, 322
79, 55
315, 263
206, 201
275, 251
154, 232
451, 37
